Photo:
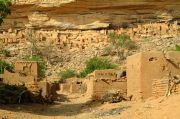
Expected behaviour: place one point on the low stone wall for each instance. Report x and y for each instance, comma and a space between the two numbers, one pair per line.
96, 89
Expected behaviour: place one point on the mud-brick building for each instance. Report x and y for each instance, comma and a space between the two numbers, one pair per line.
101, 82
25, 71
152, 74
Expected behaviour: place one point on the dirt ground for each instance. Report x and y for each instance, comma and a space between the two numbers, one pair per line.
79, 108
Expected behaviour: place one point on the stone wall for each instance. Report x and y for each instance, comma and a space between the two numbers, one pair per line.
64, 39
152, 30
28, 67
25, 71
16, 78
101, 82
144, 68
90, 38
102, 87
65, 88
78, 88
160, 87
54, 2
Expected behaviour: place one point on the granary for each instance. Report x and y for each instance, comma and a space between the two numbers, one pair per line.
152, 74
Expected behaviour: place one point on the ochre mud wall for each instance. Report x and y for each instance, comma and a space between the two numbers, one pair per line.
147, 73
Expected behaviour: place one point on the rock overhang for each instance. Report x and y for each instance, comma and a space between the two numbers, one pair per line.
89, 14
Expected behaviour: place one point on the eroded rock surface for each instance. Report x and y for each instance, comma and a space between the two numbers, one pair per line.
90, 14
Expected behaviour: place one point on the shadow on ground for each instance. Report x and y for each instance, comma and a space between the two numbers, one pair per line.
65, 108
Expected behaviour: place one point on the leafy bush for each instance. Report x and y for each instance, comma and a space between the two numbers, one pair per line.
177, 47
41, 63
108, 50
96, 63
5, 9
7, 66
68, 73
6, 53
122, 41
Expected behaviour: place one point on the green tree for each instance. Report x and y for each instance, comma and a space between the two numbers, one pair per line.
5, 9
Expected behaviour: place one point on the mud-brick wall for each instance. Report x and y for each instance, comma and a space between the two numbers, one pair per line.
77, 88
101, 87
16, 78
65, 88
143, 68
160, 87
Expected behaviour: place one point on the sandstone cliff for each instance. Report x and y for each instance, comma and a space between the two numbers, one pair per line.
90, 14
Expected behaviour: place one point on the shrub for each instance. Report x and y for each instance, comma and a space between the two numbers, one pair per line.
108, 50
177, 47
68, 73
96, 63
6, 53
7, 66
120, 43
41, 63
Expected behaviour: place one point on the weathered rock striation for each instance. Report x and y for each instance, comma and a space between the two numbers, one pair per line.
89, 14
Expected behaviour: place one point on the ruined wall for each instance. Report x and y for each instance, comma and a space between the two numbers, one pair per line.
90, 38
16, 78
65, 39
44, 86
105, 74
65, 88
101, 87
77, 88
25, 71
150, 66
27, 67
152, 30
54, 2
160, 87
101, 82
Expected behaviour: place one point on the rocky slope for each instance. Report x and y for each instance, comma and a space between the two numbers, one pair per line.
89, 14
76, 30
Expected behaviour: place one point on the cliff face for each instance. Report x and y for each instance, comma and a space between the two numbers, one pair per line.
89, 14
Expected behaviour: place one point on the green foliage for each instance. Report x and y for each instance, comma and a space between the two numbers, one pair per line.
122, 41
41, 63
5, 52
68, 73
108, 50
177, 47
96, 63
5, 65
4, 9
